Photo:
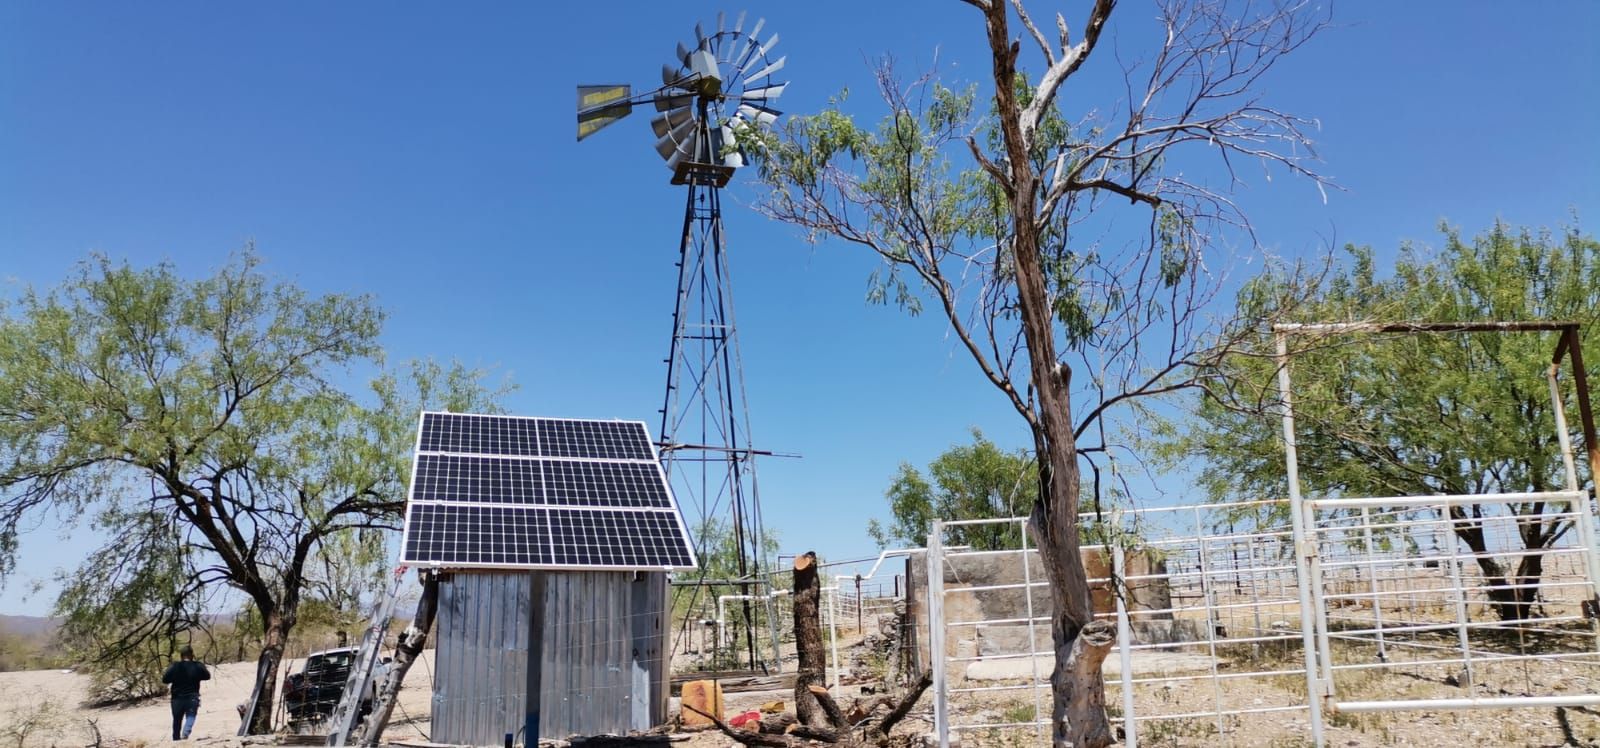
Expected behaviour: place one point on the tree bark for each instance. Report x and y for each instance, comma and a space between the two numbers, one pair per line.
1075, 691
406, 654
276, 634
813, 666
1085, 722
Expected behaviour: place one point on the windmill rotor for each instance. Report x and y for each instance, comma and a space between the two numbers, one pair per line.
713, 87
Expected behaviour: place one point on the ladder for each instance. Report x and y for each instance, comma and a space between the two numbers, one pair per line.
345, 717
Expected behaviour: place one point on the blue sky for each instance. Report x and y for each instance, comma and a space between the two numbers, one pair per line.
424, 153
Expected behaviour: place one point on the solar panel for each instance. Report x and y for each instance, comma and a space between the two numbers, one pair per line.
514, 492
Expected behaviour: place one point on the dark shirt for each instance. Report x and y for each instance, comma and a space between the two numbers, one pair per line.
185, 677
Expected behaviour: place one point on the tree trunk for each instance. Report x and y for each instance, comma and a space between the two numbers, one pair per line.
276, 634
1512, 597
409, 649
813, 666
1077, 694
1080, 717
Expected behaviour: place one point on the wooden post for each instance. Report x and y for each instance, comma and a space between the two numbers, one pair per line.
808, 641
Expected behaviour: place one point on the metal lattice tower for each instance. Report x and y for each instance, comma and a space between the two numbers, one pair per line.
720, 90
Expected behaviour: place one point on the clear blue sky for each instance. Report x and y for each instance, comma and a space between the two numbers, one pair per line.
424, 153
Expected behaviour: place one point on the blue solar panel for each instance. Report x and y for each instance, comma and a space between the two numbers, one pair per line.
506, 491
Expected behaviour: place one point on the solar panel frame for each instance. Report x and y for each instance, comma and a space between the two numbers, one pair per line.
642, 462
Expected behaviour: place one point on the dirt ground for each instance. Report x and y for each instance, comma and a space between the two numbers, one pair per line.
43, 708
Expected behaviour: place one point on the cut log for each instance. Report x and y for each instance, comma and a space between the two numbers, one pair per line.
812, 670
706, 698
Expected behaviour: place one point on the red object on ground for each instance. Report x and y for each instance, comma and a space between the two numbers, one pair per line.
740, 720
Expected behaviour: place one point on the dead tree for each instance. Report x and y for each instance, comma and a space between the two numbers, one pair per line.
406, 654
808, 641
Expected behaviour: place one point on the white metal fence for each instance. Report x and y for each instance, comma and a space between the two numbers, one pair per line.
1226, 634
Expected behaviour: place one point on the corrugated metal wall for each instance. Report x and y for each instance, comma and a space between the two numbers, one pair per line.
603, 660
603, 667
480, 679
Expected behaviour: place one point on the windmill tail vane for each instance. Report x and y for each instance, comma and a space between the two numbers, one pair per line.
723, 83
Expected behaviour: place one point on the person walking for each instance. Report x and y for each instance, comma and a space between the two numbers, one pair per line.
185, 676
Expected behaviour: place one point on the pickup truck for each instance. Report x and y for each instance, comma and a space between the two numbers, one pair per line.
311, 695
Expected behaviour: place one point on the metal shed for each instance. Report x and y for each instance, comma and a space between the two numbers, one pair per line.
598, 646
552, 539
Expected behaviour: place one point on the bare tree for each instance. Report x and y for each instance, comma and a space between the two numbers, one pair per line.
1010, 221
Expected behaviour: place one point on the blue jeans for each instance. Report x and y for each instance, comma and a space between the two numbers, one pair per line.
184, 709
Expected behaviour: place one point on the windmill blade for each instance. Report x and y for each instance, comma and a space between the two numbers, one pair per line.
674, 139
738, 23
665, 101
721, 17
671, 76
683, 54
699, 34
765, 48
768, 70
730, 155
765, 93
663, 124
752, 43
761, 115
683, 152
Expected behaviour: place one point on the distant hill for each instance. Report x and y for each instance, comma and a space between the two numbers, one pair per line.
28, 625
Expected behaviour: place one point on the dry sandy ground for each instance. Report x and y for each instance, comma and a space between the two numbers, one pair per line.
53, 698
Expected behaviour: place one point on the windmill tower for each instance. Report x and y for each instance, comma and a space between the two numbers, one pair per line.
711, 92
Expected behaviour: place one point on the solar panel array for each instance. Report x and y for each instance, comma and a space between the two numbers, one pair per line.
513, 492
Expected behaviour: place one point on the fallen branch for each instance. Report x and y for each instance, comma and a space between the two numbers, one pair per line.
829, 707
900, 711
745, 737
839, 734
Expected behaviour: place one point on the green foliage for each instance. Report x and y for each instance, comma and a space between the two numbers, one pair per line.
968, 481
199, 426
19, 651
1416, 413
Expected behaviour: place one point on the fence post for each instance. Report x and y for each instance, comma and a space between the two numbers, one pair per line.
1033, 642
941, 709
1130, 723
1372, 583
1461, 595
1583, 517
833, 632
1304, 548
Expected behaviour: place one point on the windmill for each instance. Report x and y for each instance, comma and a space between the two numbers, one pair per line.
721, 85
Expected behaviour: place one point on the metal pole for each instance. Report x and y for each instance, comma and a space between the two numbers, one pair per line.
1305, 550
1372, 583
833, 631
941, 709
1584, 519
860, 630
1461, 594
1130, 723
1033, 645
1211, 620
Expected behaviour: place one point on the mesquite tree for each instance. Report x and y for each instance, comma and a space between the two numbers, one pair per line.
1422, 414
1013, 221
203, 419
